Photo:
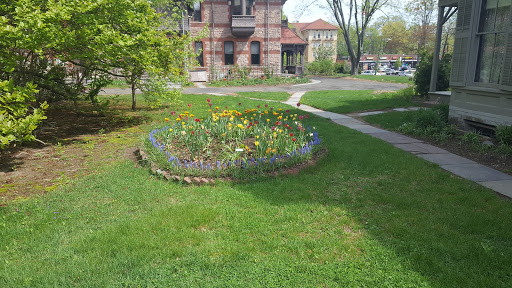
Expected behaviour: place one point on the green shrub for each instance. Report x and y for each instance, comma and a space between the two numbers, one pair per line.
156, 90
342, 67
324, 67
429, 118
471, 138
424, 72
504, 135
431, 123
17, 116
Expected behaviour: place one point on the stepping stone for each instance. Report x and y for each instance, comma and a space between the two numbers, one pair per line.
395, 138
476, 172
446, 159
366, 129
371, 113
187, 180
423, 148
348, 121
503, 187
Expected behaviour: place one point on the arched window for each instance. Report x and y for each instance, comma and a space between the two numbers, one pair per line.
229, 53
255, 53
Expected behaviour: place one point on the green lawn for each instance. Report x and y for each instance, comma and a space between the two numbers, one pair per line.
275, 96
385, 78
367, 215
345, 101
391, 120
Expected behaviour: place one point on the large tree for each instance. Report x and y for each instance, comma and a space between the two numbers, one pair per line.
422, 14
95, 36
69, 49
355, 14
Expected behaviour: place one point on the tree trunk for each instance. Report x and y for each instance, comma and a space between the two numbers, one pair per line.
134, 100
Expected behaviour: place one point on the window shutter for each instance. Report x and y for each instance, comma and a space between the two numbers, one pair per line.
461, 46
506, 75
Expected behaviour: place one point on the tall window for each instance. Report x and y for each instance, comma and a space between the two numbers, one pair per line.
199, 52
229, 53
239, 5
255, 53
494, 20
197, 11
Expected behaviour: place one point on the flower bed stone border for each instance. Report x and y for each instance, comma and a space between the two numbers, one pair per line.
143, 159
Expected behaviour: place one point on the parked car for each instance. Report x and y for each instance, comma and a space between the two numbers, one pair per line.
391, 72
368, 72
405, 73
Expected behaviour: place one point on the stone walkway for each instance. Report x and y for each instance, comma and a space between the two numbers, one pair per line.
465, 168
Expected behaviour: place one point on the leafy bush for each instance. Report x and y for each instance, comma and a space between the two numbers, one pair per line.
430, 122
156, 89
324, 67
504, 135
17, 118
471, 138
342, 67
424, 72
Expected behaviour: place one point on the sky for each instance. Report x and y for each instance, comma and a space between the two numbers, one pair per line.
311, 14
292, 9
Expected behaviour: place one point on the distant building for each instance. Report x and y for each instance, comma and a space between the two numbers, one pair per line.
317, 34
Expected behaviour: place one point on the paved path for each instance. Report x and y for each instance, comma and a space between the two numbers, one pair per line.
320, 83
465, 168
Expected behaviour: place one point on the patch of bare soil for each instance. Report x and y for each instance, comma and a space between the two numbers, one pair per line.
71, 142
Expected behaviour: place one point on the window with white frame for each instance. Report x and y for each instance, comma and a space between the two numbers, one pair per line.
492, 35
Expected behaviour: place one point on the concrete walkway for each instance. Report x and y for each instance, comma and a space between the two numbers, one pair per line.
465, 168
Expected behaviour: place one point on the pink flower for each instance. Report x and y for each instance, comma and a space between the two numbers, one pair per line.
189, 105
210, 104
266, 105
298, 104
208, 100
239, 104
301, 117
173, 113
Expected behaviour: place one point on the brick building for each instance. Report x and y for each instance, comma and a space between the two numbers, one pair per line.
246, 33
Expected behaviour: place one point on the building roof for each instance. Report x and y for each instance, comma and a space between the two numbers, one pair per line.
290, 37
317, 25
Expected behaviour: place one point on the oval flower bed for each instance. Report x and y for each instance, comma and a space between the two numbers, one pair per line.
232, 143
